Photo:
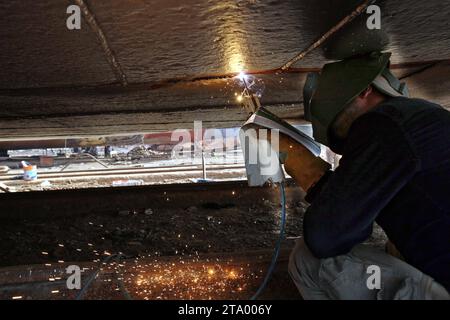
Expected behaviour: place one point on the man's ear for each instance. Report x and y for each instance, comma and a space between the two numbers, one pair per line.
366, 92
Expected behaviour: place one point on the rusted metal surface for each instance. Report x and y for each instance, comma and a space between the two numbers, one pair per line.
341, 24
109, 54
157, 40
90, 200
69, 89
212, 102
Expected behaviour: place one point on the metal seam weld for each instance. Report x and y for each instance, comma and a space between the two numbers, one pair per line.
153, 85
423, 69
109, 54
346, 20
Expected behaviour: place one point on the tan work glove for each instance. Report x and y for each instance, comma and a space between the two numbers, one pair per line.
303, 166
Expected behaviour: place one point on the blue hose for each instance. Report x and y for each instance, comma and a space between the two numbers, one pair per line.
276, 253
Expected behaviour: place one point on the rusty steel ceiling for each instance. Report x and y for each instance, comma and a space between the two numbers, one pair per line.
149, 65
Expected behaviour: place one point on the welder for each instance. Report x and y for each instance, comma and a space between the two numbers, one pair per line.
394, 170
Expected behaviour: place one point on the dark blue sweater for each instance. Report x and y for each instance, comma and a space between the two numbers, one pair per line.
395, 170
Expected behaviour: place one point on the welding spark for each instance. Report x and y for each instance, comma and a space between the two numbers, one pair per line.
242, 76
169, 280
251, 86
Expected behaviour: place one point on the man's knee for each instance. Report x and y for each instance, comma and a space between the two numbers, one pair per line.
303, 266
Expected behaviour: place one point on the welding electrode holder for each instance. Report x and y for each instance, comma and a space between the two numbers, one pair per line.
250, 102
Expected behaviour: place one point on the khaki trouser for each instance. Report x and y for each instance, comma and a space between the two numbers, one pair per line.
347, 276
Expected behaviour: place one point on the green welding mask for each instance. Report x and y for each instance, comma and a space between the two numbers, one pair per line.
327, 94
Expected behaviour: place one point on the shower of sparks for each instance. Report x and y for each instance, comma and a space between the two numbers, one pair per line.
188, 279
251, 86
184, 276
181, 277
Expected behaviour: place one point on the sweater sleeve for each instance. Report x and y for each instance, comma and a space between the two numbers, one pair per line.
377, 162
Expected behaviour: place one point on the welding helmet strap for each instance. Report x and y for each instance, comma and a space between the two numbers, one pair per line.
395, 83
